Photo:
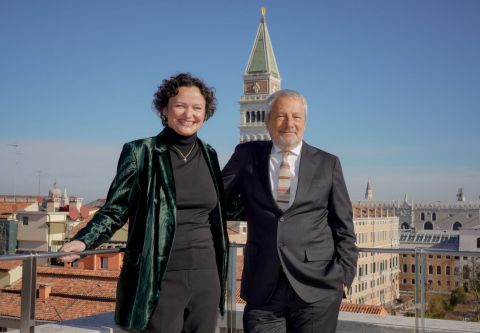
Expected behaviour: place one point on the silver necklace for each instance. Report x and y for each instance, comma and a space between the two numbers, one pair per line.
184, 157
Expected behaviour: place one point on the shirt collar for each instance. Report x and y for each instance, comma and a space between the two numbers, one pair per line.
295, 151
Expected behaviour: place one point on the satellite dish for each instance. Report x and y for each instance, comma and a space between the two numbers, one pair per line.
73, 213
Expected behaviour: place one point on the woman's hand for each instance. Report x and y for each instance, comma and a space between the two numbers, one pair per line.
73, 246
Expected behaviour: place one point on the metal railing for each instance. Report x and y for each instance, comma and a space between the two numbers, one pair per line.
29, 275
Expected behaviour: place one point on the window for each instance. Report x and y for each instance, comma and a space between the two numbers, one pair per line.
404, 268
457, 226
447, 270
434, 216
413, 281
466, 272
103, 262
478, 243
413, 268
430, 269
439, 270
428, 226
439, 283
422, 216
405, 226
258, 116
25, 220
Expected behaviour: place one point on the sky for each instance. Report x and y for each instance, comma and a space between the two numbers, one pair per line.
393, 87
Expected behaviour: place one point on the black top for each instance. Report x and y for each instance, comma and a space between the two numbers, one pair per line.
196, 197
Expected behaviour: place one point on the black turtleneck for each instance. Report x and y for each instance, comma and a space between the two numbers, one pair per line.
196, 198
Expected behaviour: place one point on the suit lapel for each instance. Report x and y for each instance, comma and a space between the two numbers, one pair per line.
263, 164
306, 171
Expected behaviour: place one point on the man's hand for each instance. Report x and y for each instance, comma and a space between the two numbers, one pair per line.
73, 246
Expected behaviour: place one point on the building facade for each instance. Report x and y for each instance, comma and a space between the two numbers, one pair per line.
377, 279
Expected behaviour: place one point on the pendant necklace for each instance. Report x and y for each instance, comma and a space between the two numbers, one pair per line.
184, 157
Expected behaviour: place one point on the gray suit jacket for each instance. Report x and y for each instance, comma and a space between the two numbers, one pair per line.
312, 241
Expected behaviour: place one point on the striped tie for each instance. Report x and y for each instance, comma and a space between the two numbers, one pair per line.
284, 180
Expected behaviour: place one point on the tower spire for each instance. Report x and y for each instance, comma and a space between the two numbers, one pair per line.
260, 79
262, 59
368, 191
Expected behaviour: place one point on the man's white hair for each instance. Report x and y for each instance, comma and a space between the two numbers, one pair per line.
285, 92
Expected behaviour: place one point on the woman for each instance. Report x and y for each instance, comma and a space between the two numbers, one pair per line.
170, 189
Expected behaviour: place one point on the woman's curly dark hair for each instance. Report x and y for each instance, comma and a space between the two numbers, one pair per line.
169, 88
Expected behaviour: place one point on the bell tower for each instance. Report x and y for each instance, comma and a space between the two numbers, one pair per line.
260, 79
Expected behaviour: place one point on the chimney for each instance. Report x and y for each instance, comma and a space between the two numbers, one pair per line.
44, 290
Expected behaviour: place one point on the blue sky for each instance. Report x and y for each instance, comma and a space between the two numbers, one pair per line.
393, 86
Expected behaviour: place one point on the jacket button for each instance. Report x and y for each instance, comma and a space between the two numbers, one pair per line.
282, 219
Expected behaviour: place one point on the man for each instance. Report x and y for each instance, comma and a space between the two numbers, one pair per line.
300, 251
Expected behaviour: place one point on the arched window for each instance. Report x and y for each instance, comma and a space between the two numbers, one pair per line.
259, 117
247, 117
263, 116
457, 226
405, 225
428, 226
466, 272
434, 216
422, 216
253, 117
478, 243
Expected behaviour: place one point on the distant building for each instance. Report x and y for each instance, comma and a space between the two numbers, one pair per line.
442, 272
261, 78
43, 228
434, 215
377, 279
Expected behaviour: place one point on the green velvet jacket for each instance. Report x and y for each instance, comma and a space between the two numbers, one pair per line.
143, 192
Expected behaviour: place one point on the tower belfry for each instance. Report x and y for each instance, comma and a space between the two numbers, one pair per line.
260, 79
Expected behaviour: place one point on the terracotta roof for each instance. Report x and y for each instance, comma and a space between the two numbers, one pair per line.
72, 232
76, 272
86, 284
231, 231
74, 293
363, 308
10, 207
10, 264
55, 308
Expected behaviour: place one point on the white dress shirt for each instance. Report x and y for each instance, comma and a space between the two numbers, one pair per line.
276, 156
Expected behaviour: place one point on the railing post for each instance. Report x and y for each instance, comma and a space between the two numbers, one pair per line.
29, 290
422, 291
232, 289
419, 291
